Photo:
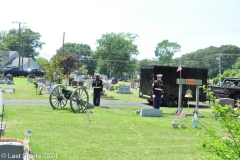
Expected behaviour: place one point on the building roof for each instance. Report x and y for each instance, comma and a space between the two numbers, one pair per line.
7, 53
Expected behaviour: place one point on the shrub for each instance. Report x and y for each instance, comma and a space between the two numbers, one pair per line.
135, 80
119, 84
224, 145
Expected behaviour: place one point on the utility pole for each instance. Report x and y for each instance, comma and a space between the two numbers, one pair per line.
63, 42
219, 64
22, 53
28, 52
19, 40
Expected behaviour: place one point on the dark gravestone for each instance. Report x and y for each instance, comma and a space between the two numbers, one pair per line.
11, 151
227, 101
80, 83
70, 81
9, 76
74, 83
111, 88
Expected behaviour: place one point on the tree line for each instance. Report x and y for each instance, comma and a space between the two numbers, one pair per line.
116, 55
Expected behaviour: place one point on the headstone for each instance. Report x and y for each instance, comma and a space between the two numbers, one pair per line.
132, 84
40, 84
149, 112
57, 79
136, 85
70, 81
124, 89
74, 83
9, 76
11, 151
111, 88
80, 83
48, 90
9, 90
89, 83
31, 78
106, 85
2, 129
227, 101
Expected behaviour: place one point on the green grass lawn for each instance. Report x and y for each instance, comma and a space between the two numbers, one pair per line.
114, 133
27, 91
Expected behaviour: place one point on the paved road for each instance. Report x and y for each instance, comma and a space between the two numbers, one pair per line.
108, 104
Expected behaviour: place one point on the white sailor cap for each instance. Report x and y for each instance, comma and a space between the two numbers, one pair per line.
159, 75
97, 75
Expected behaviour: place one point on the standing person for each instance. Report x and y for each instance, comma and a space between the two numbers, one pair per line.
157, 91
97, 86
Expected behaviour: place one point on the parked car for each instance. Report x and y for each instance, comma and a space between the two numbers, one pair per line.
35, 71
15, 71
229, 88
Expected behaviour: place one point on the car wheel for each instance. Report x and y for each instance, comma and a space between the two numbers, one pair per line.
169, 101
236, 97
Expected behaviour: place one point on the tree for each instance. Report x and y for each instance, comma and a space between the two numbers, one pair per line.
144, 62
236, 65
69, 63
165, 50
82, 70
53, 68
30, 41
209, 58
116, 51
84, 52
42, 62
2, 40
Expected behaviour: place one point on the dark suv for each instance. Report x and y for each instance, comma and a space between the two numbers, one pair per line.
14, 71
35, 71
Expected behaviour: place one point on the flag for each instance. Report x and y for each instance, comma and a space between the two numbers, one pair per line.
179, 68
180, 113
27, 132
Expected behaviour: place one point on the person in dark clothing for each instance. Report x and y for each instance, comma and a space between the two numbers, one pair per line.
97, 86
157, 91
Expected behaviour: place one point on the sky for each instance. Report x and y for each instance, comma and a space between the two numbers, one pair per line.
193, 24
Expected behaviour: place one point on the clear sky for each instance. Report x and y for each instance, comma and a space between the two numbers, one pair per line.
193, 24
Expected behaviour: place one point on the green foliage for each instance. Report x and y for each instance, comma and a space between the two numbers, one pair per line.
81, 70
165, 50
135, 80
42, 62
116, 51
207, 58
119, 84
53, 68
85, 54
69, 63
30, 41
224, 145
122, 83
116, 86
236, 65
227, 145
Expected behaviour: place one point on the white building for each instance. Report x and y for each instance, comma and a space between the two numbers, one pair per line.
11, 58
